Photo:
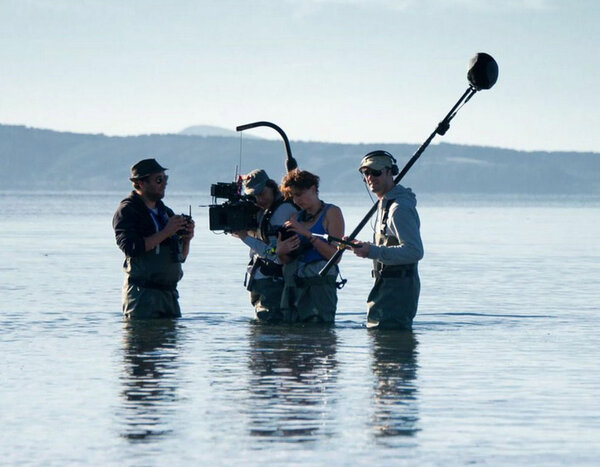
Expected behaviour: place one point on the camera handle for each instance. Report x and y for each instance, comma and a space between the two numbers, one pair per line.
290, 163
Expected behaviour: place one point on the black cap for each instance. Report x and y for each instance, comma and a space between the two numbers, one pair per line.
144, 168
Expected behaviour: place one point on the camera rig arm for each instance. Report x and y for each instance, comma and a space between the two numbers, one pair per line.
290, 162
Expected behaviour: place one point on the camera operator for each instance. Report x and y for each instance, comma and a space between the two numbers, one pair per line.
264, 279
155, 242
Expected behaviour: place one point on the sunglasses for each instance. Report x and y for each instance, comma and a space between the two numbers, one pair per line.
372, 172
161, 179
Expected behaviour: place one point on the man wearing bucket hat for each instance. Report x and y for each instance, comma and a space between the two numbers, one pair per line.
264, 279
155, 242
397, 247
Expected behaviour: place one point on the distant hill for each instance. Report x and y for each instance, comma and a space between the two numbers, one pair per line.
209, 130
34, 159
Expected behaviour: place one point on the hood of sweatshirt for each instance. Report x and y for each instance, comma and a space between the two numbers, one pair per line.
403, 196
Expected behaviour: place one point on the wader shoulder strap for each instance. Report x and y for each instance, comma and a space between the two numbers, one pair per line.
386, 213
382, 237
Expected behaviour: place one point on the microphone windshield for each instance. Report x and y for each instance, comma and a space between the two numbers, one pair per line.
483, 71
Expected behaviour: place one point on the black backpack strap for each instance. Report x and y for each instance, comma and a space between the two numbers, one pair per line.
265, 223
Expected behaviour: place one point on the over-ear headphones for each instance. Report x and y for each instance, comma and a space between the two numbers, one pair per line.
379, 153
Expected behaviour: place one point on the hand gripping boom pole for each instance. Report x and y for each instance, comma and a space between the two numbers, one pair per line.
482, 74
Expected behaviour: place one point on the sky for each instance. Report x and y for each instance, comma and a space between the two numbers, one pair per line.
352, 71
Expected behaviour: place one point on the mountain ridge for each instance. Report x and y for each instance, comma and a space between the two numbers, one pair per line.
41, 159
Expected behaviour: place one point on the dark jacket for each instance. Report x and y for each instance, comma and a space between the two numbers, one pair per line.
132, 223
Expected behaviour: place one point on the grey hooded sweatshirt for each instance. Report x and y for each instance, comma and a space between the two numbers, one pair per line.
404, 224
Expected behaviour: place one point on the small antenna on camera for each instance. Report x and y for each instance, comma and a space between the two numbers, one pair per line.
240, 152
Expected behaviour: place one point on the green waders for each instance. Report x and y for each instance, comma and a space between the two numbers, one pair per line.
265, 296
393, 301
265, 292
150, 288
308, 297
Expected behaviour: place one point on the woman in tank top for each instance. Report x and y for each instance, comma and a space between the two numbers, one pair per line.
308, 297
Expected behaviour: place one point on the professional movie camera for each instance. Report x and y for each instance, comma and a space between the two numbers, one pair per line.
237, 213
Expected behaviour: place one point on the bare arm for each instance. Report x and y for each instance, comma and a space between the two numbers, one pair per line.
334, 226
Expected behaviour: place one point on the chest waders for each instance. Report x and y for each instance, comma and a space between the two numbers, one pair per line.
393, 300
308, 297
150, 288
265, 292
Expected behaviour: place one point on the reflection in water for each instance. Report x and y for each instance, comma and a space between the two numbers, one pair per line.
149, 383
293, 381
395, 392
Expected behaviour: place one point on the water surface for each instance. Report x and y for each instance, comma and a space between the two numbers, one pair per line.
502, 367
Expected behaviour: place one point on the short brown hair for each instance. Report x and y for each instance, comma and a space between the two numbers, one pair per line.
300, 179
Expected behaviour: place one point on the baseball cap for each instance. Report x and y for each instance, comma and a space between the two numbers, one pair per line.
255, 182
144, 168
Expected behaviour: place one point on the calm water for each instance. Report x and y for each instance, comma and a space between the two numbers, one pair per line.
503, 366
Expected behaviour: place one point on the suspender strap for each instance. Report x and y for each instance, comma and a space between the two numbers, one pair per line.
384, 218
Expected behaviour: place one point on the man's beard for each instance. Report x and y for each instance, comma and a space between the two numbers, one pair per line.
156, 196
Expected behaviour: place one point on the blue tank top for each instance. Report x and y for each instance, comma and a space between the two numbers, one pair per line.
310, 254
